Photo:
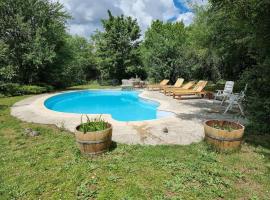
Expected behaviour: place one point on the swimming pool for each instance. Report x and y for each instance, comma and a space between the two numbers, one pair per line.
121, 105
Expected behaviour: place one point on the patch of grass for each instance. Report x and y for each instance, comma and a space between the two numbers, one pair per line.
50, 166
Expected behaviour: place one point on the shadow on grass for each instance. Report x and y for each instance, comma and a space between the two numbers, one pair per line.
79, 154
3, 107
113, 146
258, 141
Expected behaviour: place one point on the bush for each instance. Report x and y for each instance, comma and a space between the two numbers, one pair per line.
32, 89
213, 87
10, 89
113, 82
49, 88
14, 89
257, 102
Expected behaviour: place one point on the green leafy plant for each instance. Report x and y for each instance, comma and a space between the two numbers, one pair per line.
226, 127
91, 125
14, 89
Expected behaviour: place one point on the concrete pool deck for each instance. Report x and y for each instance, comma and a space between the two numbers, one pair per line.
184, 128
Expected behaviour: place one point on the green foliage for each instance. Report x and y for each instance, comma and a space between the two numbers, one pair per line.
226, 127
84, 59
257, 98
230, 41
255, 16
10, 89
92, 85
92, 125
13, 89
117, 48
87, 190
219, 85
32, 32
77, 63
203, 60
32, 89
6, 69
163, 51
213, 87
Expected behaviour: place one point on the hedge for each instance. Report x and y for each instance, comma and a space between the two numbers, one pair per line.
14, 89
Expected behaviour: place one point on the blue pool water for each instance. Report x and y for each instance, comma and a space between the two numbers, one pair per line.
122, 105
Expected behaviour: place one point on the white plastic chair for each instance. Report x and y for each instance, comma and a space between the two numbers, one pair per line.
126, 84
228, 89
236, 100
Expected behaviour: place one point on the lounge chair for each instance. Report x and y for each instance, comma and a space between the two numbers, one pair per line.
224, 94
236, 100
158, 86
126, 85
188, 85
197, 90
177, 84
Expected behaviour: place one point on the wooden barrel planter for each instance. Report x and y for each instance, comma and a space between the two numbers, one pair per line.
223, 135
94, 143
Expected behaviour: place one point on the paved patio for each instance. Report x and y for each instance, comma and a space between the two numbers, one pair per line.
184, 128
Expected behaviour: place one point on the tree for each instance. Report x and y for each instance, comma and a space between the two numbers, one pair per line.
6, 70
117, 48
163, 51
236, 37
33, 31
80, 64
204, 60
254, 14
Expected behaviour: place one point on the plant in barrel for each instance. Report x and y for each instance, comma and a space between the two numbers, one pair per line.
224, 135
93, 136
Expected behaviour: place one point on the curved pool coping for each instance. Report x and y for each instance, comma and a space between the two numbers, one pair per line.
109, 116
180, 130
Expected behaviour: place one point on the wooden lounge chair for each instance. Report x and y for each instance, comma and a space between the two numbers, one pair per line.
158, 86
197, 90
188, 85
177, 84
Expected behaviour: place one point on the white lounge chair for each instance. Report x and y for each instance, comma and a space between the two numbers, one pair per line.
236, 100
127, 84
224, 94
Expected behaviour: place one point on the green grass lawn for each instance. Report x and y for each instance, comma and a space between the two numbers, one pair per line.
50, 166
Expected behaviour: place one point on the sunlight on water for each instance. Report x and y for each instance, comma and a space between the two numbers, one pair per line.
122, 105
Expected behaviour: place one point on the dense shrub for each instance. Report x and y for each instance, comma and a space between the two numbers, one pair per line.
32, 89
238, 86
215, 86
13, 89
113, 82
258, 99
10, 89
